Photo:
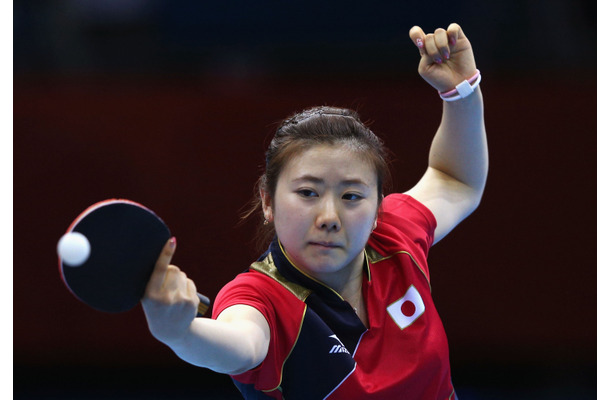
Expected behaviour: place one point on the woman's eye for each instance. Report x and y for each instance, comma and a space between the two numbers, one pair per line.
307, 193
351, 196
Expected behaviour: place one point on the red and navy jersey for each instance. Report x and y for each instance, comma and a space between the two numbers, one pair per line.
320, 349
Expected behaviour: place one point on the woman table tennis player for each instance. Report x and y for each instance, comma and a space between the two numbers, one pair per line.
339, 306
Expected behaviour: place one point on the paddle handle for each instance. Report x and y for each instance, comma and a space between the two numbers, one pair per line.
204, 304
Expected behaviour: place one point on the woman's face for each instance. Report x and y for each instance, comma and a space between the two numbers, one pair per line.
324, 209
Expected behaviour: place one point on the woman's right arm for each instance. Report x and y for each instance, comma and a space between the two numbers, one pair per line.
233, 343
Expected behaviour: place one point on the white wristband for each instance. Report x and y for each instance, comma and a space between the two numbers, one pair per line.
462, 90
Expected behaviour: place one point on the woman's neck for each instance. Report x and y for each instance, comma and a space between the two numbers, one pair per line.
347, 281
351, 291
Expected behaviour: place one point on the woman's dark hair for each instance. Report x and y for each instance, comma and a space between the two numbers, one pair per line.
306, 129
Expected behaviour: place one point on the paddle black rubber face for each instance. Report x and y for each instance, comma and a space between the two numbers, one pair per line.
126, 240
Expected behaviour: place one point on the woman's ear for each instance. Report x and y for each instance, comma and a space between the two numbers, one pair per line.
377, 216
267, 203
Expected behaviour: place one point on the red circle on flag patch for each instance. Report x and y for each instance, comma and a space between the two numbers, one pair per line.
408, 308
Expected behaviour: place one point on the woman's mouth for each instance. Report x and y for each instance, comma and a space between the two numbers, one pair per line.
324, 244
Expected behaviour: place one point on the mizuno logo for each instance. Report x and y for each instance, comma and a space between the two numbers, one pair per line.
337, 348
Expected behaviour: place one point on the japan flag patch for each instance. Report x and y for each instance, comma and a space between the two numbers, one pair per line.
407, 309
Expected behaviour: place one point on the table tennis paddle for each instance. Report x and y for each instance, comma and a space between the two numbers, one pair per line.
108, 254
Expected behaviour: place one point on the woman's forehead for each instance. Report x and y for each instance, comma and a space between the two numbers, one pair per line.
324, 162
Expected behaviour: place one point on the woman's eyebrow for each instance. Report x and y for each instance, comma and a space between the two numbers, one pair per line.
318, 180
308, 178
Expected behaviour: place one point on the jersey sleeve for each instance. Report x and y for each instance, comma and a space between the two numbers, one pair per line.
242, 290
404, 225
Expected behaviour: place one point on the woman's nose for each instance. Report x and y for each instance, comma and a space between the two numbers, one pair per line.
328, 216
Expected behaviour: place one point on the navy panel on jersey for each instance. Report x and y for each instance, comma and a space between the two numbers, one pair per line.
318, 349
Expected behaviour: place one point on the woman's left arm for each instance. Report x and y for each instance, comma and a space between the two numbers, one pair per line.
453, 184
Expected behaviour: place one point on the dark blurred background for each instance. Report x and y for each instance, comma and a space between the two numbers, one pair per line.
171, 103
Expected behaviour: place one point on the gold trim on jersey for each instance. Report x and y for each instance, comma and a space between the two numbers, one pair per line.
267, 267
375, 257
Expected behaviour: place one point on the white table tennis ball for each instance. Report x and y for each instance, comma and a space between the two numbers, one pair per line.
74, 249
